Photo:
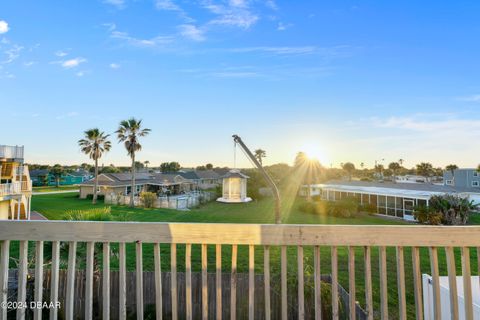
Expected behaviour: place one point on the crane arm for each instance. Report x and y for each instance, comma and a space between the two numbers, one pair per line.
266, 176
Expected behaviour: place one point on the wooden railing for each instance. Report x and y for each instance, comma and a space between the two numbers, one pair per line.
11, 152
342, 242
10, 188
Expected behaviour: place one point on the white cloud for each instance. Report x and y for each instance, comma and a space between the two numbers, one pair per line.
271, 4
239, 3
137, 42
167, 5
235, 74
282, 26
29, 63
472, 98
242, 19
236, 13
61, 53
80, 73
12, 54
72, 63
424, 124
114, 65
119, 4
70, 114
191, 32
4, 26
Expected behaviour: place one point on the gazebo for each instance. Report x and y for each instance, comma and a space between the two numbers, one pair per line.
234, 188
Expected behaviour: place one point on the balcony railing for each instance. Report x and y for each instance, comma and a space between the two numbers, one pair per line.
7, 189
345, 252
11, 152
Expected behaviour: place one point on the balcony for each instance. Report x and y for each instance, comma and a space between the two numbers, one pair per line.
12, 188
377, 264
11, 152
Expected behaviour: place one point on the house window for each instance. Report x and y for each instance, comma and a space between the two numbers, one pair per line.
449, 182
475, 184
475, 173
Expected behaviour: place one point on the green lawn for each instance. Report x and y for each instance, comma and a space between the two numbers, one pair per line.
54, 207
53, 188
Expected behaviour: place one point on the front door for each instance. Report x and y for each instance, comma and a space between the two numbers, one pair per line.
408, 206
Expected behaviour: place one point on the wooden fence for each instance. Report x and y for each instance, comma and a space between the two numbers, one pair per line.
233, 235
149, 296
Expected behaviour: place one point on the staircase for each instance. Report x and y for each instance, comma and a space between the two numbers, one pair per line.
23, 215
6, 170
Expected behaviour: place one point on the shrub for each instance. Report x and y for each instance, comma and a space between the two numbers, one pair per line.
319, 207
369, 208
94, 214
148, 199
454, 210
344, 208
427, 215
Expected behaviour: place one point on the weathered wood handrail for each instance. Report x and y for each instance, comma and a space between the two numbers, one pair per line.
266, 237
242, 234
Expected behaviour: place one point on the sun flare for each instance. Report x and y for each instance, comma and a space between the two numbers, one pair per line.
315, 151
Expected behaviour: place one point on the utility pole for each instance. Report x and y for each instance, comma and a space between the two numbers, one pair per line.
276, 193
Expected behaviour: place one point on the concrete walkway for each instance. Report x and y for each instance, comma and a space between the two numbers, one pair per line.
54, 192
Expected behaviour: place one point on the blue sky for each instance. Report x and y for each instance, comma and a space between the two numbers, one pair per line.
347, 80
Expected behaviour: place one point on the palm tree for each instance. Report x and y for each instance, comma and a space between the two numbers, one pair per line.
401, 161
94, 144
452, 168
425, 169
259, 154
128, 132
350, 168
146, 163
394, 166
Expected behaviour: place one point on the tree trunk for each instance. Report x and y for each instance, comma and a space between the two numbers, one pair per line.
95, 187
132, 192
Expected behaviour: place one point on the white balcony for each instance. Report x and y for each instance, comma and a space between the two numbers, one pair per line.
11, 152
12, 188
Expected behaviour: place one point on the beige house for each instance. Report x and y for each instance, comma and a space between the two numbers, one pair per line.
15, 184
121, 184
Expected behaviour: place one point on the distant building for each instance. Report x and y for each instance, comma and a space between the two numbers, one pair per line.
462, 178
43, 177
411, 178
391, 199
15, 184
121, 184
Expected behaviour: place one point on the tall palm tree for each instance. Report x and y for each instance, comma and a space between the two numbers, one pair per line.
259, 154
94, 144
394, 166
452, 168
129, 131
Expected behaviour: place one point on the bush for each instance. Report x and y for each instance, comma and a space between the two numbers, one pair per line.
95, 214
453, 209
369, 208
148, 199
344, 208
427, 215
318, 207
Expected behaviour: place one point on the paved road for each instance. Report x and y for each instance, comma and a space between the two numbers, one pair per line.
54, 192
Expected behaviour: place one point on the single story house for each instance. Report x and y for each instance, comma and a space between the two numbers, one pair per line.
203, 179
391, 199
121, 184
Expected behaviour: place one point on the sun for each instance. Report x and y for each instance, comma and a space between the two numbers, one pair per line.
315, 151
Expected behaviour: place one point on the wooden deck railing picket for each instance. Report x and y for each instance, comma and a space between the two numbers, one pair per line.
185, 235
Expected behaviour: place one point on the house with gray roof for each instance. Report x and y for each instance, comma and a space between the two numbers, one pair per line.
391, 199
121, 184
463, 178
